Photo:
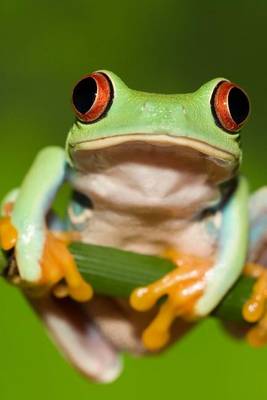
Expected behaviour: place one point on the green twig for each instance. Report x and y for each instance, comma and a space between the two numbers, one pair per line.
115, 272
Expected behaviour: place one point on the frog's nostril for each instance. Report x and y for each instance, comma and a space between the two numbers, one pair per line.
92, 97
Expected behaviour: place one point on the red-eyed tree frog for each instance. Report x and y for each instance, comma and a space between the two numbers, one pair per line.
151, 173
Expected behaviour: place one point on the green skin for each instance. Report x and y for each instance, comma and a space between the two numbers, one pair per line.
184, 119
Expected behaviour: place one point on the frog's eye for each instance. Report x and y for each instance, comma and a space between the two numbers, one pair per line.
92, 97
230, 106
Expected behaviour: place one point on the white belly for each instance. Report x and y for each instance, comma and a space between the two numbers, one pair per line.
146, 200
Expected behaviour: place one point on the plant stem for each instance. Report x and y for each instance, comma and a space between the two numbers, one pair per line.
114, 272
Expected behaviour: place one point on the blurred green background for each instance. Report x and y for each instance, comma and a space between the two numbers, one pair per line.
154, 45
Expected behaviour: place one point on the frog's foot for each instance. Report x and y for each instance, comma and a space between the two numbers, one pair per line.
8, 234
59, 271
183, 286
255, 308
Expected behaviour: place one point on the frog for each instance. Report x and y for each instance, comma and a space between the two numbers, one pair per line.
156, 174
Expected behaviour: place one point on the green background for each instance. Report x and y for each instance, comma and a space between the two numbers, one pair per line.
154, 45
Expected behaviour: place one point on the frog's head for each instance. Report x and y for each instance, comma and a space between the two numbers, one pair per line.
207, 122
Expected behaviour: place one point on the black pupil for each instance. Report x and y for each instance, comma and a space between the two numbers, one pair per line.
238, 105
84, 94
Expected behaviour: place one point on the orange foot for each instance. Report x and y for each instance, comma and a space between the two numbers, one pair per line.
59, 271
183, 286
255, 310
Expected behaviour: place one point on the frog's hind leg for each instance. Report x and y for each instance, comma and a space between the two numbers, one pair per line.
79, 338
255, 308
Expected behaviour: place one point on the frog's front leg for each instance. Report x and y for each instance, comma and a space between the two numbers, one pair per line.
42, 257
196, 286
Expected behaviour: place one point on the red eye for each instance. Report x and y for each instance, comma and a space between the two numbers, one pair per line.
92, 97
230, 106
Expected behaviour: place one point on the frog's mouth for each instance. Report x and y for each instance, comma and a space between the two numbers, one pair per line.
219, 164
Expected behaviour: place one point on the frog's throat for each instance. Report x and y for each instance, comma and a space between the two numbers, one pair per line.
222, 157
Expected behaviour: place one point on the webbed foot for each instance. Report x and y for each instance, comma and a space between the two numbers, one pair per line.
183, 286
254, 310
59, 271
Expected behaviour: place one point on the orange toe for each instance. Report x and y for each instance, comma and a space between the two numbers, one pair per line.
183, 286
8, 234
255, 310
58, 265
